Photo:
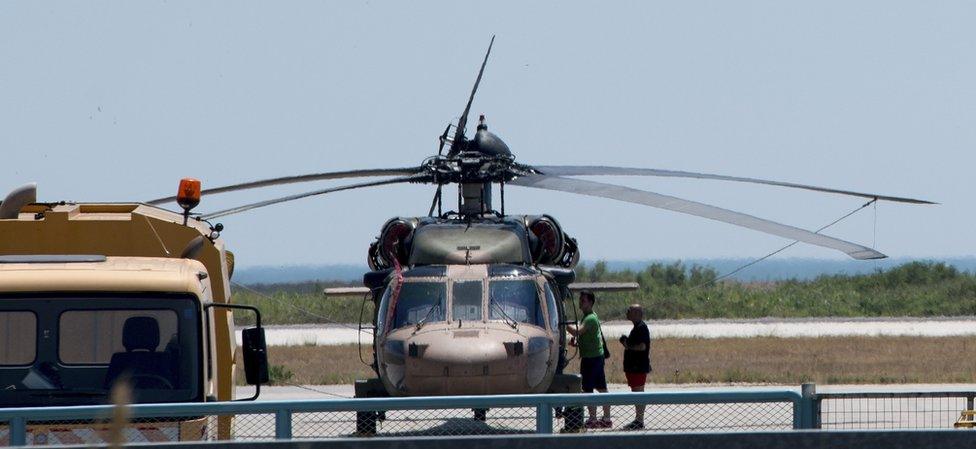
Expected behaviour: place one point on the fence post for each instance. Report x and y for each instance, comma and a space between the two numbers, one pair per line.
808, 405
283, 424
18, 431
543, 418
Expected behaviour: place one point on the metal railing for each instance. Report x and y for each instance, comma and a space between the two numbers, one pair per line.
416, 416
891, 410
681, 411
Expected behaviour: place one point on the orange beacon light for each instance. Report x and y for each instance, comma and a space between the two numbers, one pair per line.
188, 196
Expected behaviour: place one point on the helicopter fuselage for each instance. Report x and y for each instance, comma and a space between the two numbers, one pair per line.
466, 307
468, 329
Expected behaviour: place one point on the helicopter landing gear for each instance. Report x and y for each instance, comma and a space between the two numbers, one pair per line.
480, 414
366, 421
572, 420
572, 416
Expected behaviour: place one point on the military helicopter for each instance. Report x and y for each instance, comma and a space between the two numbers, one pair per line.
471, 300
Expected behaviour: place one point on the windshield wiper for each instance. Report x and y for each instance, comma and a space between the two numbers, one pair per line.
422, 322
507, 319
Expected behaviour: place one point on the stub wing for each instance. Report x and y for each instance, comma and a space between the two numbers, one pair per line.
607, 287
345, 291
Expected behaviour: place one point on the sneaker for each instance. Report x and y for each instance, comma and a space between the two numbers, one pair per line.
592, 423
635, 425
605, 423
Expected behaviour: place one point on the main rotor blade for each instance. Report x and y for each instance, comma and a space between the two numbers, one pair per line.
463, 121
627, 194
247, 207
300, 178
585, 170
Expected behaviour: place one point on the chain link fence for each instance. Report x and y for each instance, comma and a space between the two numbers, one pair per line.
408, 417
146, 430
523, 420
410, 423
720, 411
719, 417
82, 432
660, 417
902, 410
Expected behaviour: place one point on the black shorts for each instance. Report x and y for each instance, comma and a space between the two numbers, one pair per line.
591, 369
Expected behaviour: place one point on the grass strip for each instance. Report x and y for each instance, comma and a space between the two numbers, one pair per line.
676, 291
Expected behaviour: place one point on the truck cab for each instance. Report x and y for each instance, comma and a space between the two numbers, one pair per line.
75, 327
95, 296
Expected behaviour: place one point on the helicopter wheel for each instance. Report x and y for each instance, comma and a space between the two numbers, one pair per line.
366, 423
572, 419
480, 414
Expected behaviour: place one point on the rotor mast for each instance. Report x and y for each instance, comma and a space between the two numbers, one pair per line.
474, 198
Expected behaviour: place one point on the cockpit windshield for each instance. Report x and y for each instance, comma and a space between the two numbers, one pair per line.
515, 300
420, 302
466, 305
71, 350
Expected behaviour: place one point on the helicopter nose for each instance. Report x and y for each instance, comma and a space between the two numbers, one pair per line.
473, 362
474, 357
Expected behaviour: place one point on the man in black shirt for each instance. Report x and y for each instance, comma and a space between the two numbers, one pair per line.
637, 359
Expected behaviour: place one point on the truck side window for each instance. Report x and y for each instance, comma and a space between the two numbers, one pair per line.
19, 347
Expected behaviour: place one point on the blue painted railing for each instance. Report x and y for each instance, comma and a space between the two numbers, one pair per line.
18, 418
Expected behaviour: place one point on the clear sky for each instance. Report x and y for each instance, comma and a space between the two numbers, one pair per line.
116, 101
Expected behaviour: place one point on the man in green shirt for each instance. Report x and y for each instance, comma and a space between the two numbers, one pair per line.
589, 338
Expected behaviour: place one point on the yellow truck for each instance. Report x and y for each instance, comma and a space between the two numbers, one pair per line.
94, 294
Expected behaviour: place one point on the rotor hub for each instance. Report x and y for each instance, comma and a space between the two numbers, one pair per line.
486, 142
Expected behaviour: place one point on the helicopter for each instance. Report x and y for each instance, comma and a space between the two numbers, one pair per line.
471, 300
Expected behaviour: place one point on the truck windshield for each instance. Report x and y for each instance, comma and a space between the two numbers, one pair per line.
71, 350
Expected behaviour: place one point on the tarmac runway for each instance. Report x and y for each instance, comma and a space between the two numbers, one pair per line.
295, 392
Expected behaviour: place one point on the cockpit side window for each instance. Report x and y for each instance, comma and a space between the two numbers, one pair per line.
383, 311
551, 305
466, 302
516, 300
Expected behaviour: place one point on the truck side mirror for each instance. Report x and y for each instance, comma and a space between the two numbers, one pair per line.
255, 356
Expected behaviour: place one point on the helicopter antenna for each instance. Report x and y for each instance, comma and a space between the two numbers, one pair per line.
463, 121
